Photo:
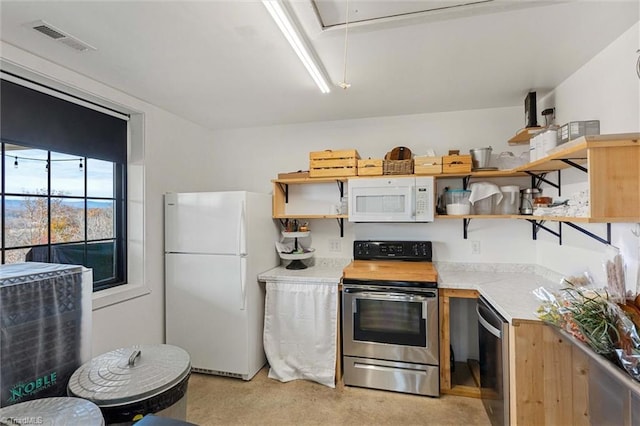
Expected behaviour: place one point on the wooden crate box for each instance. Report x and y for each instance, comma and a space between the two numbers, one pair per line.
331, 163
370, 167
456, 164
425, 165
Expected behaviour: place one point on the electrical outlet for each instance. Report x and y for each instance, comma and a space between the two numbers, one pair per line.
475, 247
335, 245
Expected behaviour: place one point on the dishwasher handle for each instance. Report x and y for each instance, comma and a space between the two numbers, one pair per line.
491, 329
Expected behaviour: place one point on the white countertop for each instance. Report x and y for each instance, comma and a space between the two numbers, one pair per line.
328, 271
510, 293
507, 287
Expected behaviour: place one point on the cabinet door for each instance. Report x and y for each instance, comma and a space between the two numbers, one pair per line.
541, 366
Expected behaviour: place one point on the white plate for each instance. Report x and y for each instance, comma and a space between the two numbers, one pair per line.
296, 256
295, 234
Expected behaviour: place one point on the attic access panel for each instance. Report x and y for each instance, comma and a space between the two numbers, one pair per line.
331, 13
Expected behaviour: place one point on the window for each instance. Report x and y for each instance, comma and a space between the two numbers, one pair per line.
63, 180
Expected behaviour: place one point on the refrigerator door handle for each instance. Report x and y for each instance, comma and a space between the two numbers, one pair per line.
242, 233
243, 283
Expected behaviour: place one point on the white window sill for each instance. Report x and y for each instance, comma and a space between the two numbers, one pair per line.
119, 294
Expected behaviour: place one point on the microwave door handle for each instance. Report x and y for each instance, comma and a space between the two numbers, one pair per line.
414, 197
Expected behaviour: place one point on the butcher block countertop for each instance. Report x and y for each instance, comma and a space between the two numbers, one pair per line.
391, 270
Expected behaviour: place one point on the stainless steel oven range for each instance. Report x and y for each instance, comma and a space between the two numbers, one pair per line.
390, 318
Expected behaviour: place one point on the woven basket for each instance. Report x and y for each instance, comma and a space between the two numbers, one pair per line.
397, 167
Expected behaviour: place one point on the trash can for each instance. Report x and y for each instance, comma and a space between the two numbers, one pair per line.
66, 411
128, 383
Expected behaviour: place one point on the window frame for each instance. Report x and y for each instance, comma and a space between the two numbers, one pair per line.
120, 196
120, 217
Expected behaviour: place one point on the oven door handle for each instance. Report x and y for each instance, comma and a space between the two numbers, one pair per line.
395, 296
491, 329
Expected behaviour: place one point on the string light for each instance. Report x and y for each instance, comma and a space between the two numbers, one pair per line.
16, 158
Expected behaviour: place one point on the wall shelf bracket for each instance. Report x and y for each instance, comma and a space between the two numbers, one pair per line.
606, 241
465, 181
340, 187
538, 225
465, 226
574, 165
538, 178
341, 225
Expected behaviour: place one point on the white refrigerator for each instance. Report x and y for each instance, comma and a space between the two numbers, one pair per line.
216, 244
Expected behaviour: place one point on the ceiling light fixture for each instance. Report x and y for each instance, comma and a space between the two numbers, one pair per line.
284, 22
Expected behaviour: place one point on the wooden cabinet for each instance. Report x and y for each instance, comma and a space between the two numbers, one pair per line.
554, 379
548, 380
448, 384
612, 163
613, 167
558, 380
548, 375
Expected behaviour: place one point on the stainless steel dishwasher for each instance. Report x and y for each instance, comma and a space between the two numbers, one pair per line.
493, 336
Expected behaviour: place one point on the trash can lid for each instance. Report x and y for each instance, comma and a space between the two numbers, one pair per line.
129, 375
53, 411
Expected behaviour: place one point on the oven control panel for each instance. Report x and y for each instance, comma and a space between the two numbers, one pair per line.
392, 250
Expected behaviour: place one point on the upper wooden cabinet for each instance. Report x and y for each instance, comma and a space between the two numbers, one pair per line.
613, 166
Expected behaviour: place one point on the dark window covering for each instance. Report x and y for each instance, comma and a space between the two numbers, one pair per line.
61, 126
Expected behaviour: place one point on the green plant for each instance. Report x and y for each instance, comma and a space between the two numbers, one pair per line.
596, 319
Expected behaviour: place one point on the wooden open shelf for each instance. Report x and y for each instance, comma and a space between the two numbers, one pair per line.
476, 216
577, 151
611, 161
524, 135
629, 219
312, 180
311, 216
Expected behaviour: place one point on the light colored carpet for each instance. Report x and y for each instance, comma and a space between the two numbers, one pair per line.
214, 400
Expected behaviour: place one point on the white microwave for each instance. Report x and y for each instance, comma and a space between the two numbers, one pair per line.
388, 199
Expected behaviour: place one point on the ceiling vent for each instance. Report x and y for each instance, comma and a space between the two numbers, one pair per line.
60, 36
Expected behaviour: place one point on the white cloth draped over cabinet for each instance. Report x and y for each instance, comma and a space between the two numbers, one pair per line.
300, 331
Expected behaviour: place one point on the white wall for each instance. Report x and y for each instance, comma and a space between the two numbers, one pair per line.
607, 88
173, 156
252, 157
